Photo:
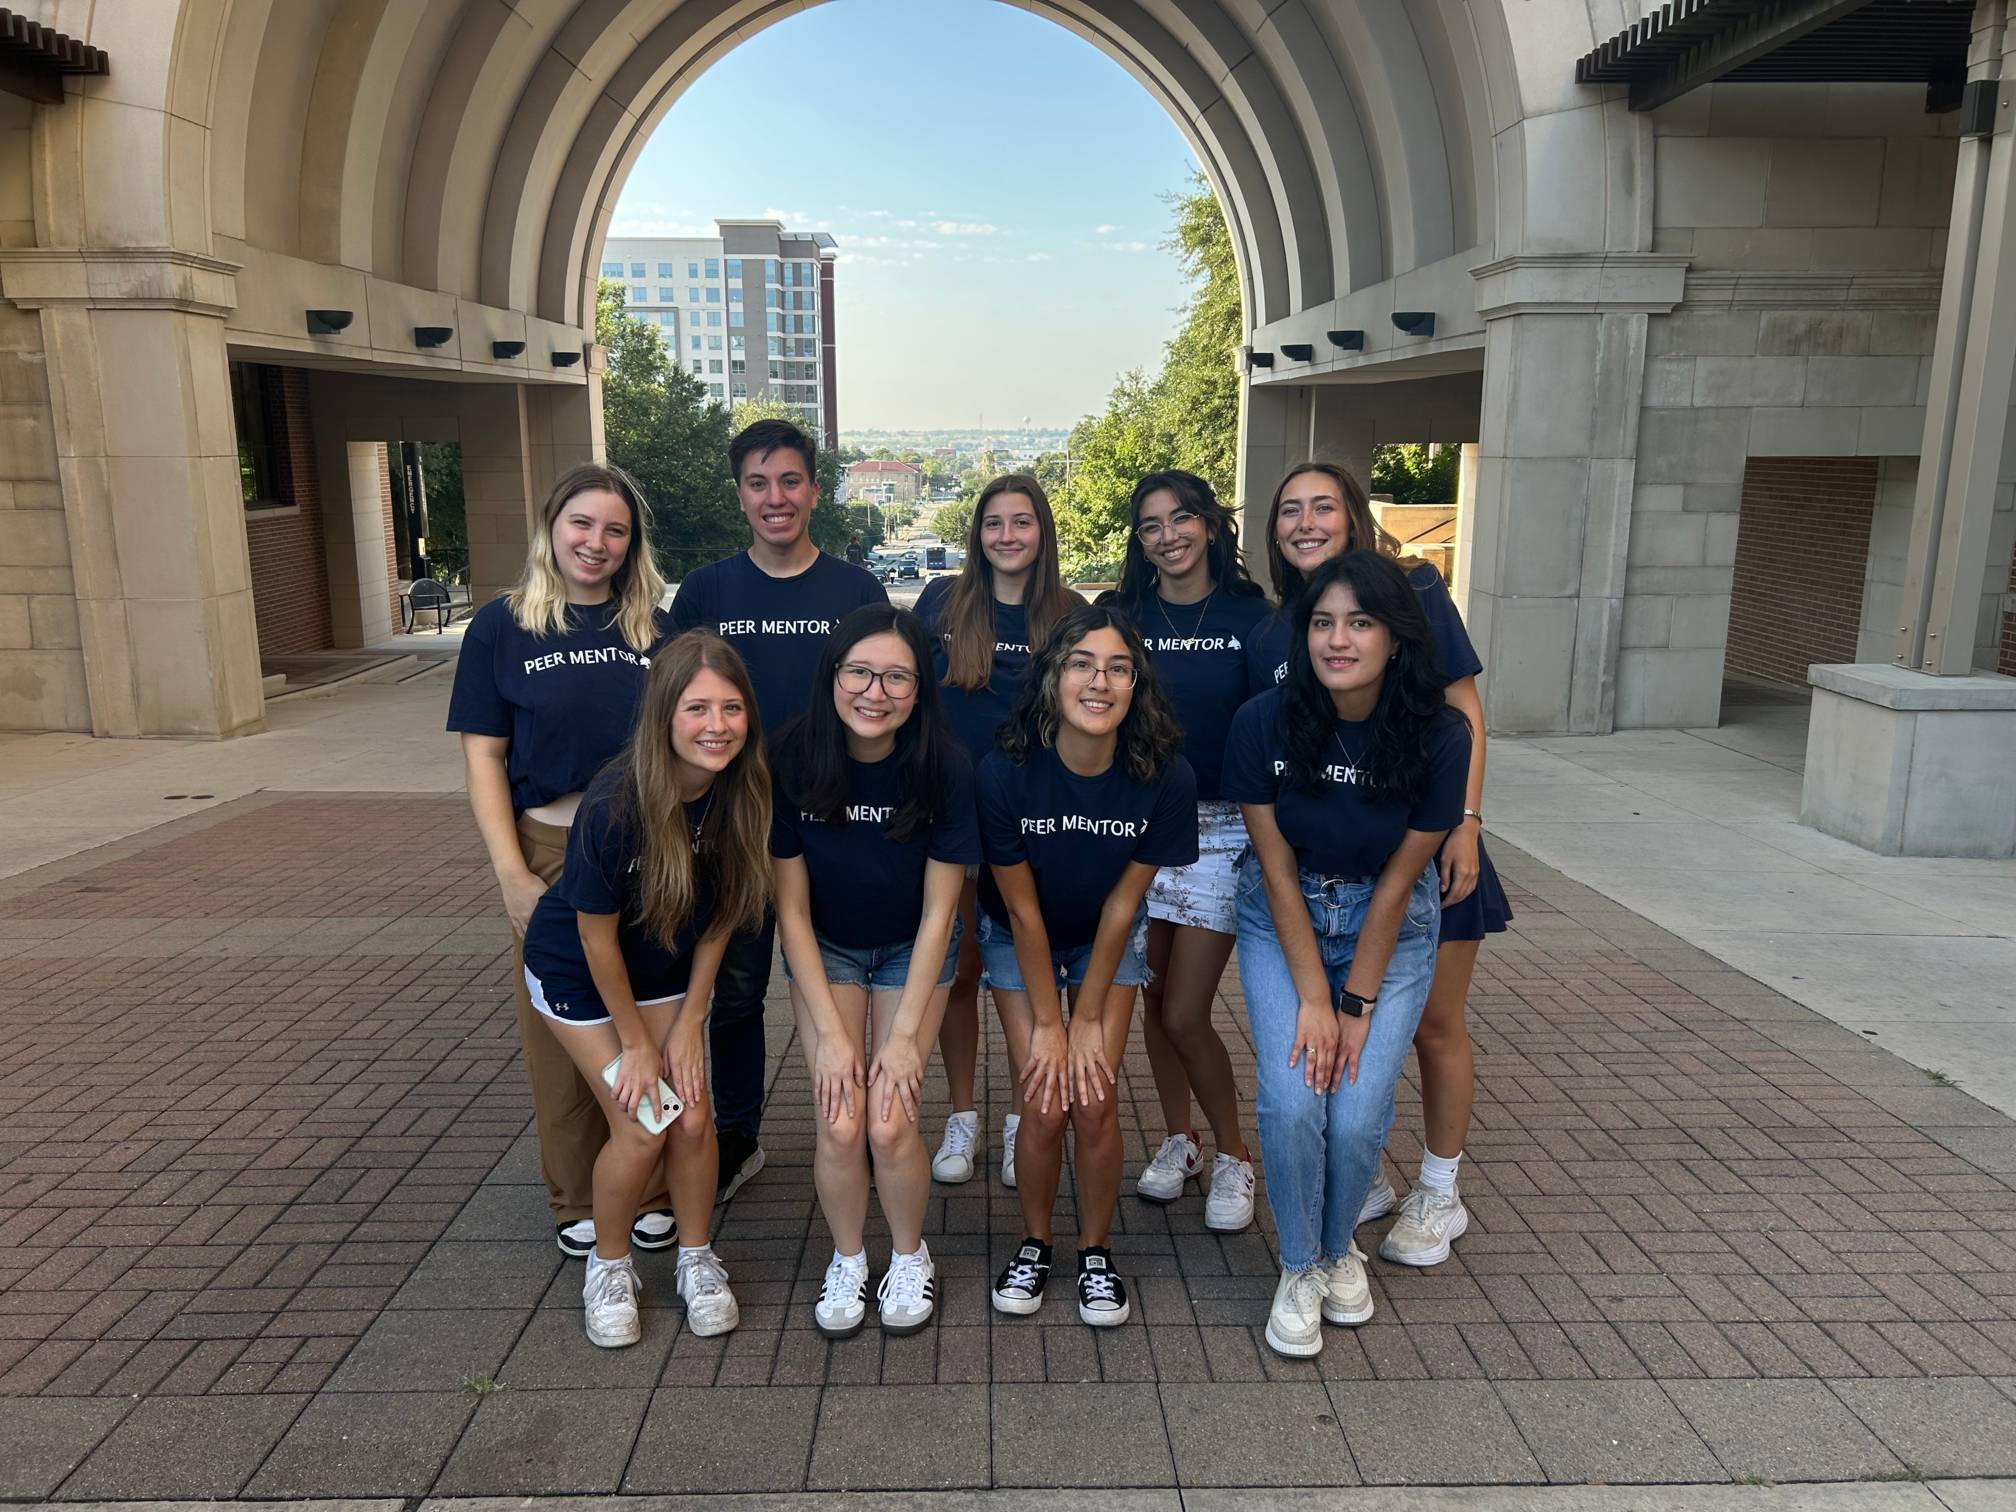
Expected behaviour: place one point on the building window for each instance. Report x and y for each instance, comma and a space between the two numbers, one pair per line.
667, 296
741, 391
664, 270
736, 343
734, 267
713, 343
262, 434
774, 344
636, 270
714, 317
612, 270
713, 267
735, 318
665, 317
692, 270
734, 294
773, 322
693, 295
696, 364
714, 389
770, 299
637, 295
714, 366
769, 270
713, 295
696, 343
737, 367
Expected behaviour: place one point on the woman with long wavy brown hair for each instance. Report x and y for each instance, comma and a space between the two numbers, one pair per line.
985, 624
668, 856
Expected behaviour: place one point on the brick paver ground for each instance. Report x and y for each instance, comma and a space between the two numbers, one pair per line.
269, 1227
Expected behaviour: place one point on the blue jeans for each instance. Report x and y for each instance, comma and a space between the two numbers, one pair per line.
1321, 1150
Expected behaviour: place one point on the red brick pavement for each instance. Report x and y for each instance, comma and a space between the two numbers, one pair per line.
258, 1099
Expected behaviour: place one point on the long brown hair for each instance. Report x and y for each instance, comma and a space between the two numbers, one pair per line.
724, 874
967, 622
1365, 532
539, 601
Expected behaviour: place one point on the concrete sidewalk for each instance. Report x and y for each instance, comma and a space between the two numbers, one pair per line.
1698, 832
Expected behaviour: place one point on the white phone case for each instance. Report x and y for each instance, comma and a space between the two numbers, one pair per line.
649, 1107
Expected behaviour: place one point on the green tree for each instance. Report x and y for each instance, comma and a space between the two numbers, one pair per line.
950, 522
1412, 476
447, 526
660, 427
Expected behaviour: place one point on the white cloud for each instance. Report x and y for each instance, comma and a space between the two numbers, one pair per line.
1125, 246
964, 228
1104, 230
656, 218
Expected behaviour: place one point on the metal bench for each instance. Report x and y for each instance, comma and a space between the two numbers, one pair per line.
428, 596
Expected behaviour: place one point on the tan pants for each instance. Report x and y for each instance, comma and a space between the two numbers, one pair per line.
572, 1129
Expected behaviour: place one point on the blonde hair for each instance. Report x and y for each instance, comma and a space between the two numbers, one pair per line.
539, 601
724, 874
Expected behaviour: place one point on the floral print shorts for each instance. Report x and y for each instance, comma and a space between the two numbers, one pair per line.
1204, 893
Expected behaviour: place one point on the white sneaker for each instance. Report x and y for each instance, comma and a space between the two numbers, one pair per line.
703, 1287
908, 1292
843, 1297
1295, 1326
1009, 1127
1229, 1208
1429, 1222
1379, 1201
1179, 1160
1347, 1291
957, 1151
609, 1304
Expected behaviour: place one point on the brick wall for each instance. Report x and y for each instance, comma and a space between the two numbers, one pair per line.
1802, 552
391, 539
290, 574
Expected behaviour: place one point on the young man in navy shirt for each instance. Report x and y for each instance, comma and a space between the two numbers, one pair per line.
775, 603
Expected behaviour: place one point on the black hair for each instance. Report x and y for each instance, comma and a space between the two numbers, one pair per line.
1149, 735
811, 755
1394, 765
1138, 576
765, 437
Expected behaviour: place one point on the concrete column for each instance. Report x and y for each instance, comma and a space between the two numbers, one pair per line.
353, 533
1973, 370
1341, 432
1466, 516
1273, 436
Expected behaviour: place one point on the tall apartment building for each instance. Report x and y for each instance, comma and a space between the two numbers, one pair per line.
749, 312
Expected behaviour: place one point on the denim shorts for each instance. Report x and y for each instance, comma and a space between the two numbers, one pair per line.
997, 957
878, 967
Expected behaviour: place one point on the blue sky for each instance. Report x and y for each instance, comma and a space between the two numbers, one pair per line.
994, 183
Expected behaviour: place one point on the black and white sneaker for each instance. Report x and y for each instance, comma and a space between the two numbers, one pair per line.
576, 1239
1102, 1296
741, 1158
655, 1230
1020, 1287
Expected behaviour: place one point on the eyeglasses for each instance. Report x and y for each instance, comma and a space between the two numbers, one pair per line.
1119, 674
1149, 532
896, 683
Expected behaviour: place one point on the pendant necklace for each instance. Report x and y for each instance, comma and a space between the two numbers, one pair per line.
1196, 629
1351, 772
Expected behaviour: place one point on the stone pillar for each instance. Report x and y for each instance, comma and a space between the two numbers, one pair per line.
1466, 516
1339, 433
1564, 366
353, 533
140, 393
1273, 436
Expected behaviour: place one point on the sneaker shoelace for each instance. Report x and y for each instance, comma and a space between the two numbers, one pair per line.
904, 1285
843, 1283
1231, 1169
1099, 1286
1424, 1207
702, 1275
959, 1137
1306, 1290
613, 1287
1173, 1157
1023, 1275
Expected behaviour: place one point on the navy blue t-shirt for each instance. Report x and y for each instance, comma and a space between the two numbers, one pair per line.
1199, 653
975, 714
867, 889
778, 624
1267, 651
1339, 832
1079, 833
601, 878
566, 702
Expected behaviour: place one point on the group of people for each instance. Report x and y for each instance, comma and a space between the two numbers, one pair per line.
1065, 801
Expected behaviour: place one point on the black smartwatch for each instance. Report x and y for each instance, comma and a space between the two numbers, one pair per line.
1353, 1006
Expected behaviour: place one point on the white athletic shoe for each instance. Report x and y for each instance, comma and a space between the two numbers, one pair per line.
609, 1304
959, 1150
1010, 1126
1429, 1222
1177, 1162
1229, 1208
1347, 1291
1379, 1201
843, 1297
703, 1287
1295, 1326
909, 1292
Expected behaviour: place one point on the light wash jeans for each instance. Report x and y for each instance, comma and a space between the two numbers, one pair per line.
1321, 1150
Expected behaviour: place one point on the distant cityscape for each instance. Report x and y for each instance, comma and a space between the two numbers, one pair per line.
1017, 443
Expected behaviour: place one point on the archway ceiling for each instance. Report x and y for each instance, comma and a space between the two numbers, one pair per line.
478, 147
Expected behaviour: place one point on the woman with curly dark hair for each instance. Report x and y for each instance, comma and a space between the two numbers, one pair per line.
1349, 774
1083, 801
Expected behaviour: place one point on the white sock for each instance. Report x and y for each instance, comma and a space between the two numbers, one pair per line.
1009, 1124
922, 1252
859, 1255
698, 1249
597, 1265
1438, 1174
970, 1118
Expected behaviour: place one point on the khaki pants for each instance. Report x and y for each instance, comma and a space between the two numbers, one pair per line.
572, 1129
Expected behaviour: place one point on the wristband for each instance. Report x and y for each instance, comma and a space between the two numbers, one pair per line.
1477, 814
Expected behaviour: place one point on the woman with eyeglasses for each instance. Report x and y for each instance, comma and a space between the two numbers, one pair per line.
1082, 802
1320, 512
1351, 774
983, 622
874, 829
1186, 587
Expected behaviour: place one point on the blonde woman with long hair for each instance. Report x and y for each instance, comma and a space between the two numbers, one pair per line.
546, 691
985, 624
669, 855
